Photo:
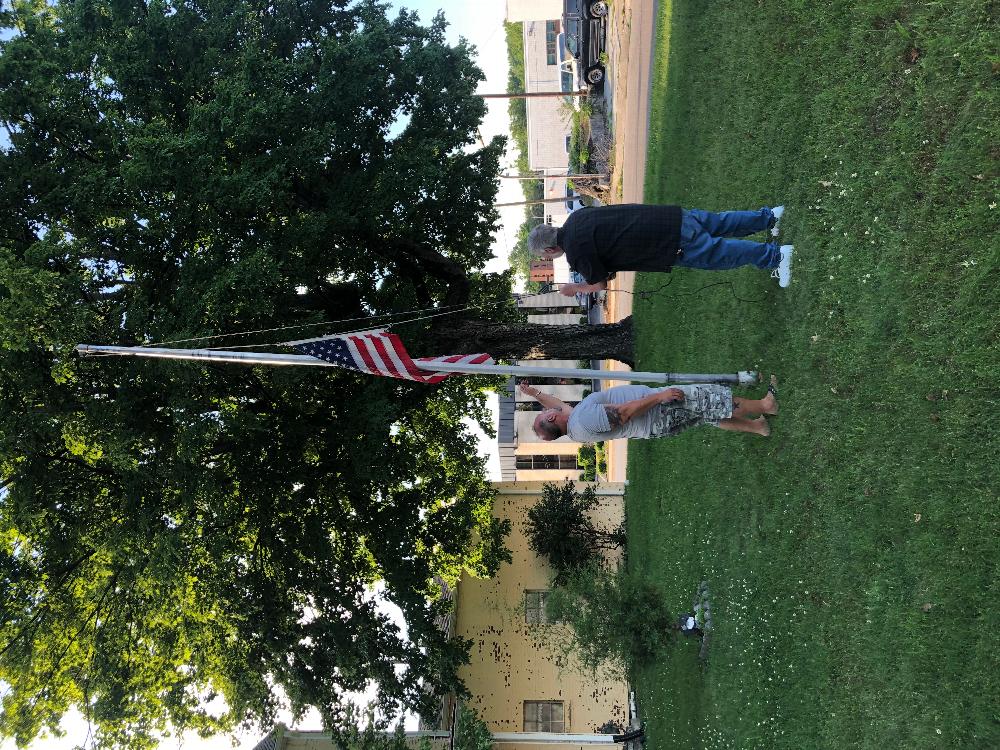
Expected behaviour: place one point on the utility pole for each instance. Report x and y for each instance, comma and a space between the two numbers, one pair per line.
534, 94
549, 176
535, 202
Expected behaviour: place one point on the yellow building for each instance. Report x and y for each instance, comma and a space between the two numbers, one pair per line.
518, 689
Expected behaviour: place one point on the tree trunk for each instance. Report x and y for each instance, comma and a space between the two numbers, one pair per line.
528, 341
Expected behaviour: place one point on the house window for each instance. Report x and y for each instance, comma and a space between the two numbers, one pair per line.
551, 39
544, 716
545, 462
537, 462
534, 607
569, 138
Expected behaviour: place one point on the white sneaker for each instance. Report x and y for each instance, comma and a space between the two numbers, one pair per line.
783, 273
778, 212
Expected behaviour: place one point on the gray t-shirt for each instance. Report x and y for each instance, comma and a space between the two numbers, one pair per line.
589, 422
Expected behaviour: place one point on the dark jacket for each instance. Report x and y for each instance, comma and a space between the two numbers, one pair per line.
603, 240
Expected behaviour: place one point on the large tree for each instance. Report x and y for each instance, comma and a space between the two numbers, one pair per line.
172, 531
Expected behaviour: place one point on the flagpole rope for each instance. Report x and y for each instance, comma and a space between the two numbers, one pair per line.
402, 322
349, 320
436, 314
298, 325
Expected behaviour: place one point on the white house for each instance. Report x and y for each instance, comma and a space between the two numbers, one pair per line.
548, 118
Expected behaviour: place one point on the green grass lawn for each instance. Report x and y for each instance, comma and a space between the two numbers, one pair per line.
853, 557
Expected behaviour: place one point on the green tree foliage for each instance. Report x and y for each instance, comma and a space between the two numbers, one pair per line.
559, 528
471, 732
365, 730
517, 109
591, 458
616, 617
519, 257
171, 532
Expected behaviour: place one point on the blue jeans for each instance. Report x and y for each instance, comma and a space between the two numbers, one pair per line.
706, 243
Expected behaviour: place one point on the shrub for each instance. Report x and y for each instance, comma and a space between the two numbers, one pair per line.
471, 732
592, 459
614, 616
586, 459
558, 528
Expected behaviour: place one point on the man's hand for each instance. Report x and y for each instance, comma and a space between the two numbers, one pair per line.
570, 290
549, 402
528, 389
671, 394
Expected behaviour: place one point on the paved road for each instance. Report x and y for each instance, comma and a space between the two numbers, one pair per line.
632, 37
633, 32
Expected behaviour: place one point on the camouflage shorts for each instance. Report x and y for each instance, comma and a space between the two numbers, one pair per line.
702, 404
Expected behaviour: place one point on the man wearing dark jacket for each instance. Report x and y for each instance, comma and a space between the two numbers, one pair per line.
600, 241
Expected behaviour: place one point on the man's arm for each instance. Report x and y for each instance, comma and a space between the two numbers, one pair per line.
549, 402
568, 290
620, 414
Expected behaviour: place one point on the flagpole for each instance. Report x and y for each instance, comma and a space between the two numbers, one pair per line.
261, 358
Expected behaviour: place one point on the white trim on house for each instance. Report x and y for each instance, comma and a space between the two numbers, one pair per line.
553, 738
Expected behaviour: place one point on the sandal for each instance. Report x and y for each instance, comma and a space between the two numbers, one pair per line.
772, 388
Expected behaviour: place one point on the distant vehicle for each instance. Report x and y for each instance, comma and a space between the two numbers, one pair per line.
585, 23
570, 78
573, 201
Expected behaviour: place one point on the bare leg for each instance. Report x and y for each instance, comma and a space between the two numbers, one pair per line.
757, 426
745, 407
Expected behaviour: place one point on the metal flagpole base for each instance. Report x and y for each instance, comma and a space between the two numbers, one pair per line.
743, 377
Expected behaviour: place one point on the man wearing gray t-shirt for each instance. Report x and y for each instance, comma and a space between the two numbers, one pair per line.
637, 411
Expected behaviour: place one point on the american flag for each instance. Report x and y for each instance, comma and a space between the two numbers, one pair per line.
381, 353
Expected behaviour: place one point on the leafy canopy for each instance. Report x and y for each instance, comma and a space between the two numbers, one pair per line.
173, 532
617, 620
560, 529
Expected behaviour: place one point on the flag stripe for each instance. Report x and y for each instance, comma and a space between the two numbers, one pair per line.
472, 359
384, 358
355, 353
361, 351
406, 364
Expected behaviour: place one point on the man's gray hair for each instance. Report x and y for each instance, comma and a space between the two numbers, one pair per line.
546, 430
541, 237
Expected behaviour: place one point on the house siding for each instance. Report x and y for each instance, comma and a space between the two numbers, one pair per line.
510, 662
